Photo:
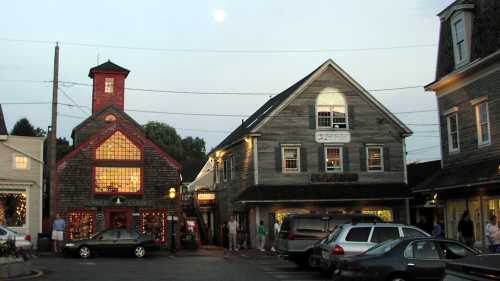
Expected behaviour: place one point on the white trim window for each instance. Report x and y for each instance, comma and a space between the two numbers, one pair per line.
453, 136
331, 110
228, 168
333, 159
20, 162
290, 159
217, 172
375, 159
109, 85
461, 27
483, 123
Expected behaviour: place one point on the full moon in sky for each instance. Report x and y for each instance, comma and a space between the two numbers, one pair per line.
219, 15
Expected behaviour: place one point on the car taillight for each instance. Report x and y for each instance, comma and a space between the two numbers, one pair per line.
27, 238
291, 236
338, 250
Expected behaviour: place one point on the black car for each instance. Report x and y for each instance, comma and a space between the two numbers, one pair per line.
476, 268
403, 259
120, 241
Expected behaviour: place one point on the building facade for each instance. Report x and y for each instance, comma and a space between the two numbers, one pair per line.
115, 177
466, 88
322, 145
21, 182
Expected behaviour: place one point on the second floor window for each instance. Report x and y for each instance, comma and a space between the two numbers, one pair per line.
228, 168
331, 110
333, 160
461, 26
290, 159
118, 179
109, 85
483, 123
375, 159
453, 139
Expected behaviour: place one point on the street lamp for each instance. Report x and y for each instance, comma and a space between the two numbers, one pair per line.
171, 195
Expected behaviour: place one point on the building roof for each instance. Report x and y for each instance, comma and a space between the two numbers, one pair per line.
323, 192
3, 128
485, 30
108, 67
419, 172
265, 111
460, 176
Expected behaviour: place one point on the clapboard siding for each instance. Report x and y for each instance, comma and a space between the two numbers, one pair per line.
469, 150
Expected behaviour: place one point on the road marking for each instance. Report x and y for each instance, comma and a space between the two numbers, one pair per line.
87, 263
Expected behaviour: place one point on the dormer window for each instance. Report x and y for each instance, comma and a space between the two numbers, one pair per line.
109, 84
331, 110
461, 27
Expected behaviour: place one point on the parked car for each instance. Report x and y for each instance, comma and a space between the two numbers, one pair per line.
355, 238
21, 240
403, 259
475, 268
109, 241
299, 233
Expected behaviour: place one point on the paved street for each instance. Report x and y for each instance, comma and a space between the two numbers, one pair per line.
211, 266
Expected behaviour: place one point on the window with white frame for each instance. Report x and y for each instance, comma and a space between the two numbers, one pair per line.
333, 159
290, 159
20, 162
217, 173
453, 138
461, 28
331, 110
109, 84
375, 158
483, 123
228, 168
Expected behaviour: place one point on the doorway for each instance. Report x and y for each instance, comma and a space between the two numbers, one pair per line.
118, 218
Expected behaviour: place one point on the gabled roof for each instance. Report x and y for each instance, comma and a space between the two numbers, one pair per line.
108, 67
273, 106
3, 128
419, 172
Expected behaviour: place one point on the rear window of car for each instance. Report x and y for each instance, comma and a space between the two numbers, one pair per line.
381, 234
311, 224
358, 234
412, 233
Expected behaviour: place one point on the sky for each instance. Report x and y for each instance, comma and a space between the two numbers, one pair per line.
84, 27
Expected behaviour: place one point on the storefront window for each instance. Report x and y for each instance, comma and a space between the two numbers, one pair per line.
493, 207
80, 224
385, 214
455, 209
475, 216
117, 179
13, 209
281, 214
153, 223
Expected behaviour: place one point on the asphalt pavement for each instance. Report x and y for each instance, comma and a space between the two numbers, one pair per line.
184, 266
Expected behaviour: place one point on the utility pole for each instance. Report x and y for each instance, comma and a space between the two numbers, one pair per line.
53, 135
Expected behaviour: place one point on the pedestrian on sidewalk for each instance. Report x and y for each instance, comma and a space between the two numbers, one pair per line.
261, 235
225, 238
466, 229
492, 233
276, 232
58, 227
233, 227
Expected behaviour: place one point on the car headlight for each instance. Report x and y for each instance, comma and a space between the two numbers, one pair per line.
70, 245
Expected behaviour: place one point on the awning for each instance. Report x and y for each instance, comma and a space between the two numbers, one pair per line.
323, 193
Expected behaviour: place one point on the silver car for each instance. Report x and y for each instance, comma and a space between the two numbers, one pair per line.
352, 239
21, 240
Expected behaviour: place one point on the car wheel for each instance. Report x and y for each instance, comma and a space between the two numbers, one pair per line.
310, 260
84, 252
398, 278
139, 252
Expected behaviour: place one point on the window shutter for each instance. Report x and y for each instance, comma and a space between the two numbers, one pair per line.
387, 159
321, 158
278, 159
303, 159
362, 158
350, 116
312, 117
345, 159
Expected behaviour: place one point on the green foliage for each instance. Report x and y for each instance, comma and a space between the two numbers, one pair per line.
23, 127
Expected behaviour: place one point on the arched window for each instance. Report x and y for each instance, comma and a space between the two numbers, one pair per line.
331, 109
110, 118
118, 147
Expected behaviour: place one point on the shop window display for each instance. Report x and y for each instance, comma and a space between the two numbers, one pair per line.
385, 214
13, 209
80, 225
118, 179
281, 214
153, 223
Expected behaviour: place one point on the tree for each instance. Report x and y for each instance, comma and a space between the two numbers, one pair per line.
195, 157
166, 138
23, 127
63, 148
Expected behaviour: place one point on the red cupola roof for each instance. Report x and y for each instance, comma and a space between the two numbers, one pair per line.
108, 67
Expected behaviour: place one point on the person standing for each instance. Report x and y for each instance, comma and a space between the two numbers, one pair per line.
58, 232
492, 233
225, 238
276, 233
466, 229
261, 235
437, 230
233, 226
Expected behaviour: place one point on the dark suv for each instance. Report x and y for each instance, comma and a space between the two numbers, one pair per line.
299, 233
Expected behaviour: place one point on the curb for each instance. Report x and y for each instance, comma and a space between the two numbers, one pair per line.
35, 274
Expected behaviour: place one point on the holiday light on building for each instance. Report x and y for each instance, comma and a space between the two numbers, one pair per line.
80, 225
150, 219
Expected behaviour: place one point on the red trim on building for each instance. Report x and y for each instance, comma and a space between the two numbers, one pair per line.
177, 165
127, 211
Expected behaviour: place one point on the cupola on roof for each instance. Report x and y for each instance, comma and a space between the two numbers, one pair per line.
108, 67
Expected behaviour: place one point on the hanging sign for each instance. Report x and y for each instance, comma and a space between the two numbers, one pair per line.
332, 137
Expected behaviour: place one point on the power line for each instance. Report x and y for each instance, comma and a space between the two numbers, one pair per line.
73, 101
423, 148
218, 51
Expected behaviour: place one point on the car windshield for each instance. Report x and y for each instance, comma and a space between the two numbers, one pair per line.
382, 248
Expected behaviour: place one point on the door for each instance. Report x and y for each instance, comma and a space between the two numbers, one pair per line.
118, 218
423, 260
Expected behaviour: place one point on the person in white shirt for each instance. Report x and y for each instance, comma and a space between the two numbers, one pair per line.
277, 227
233, 226
492, 233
